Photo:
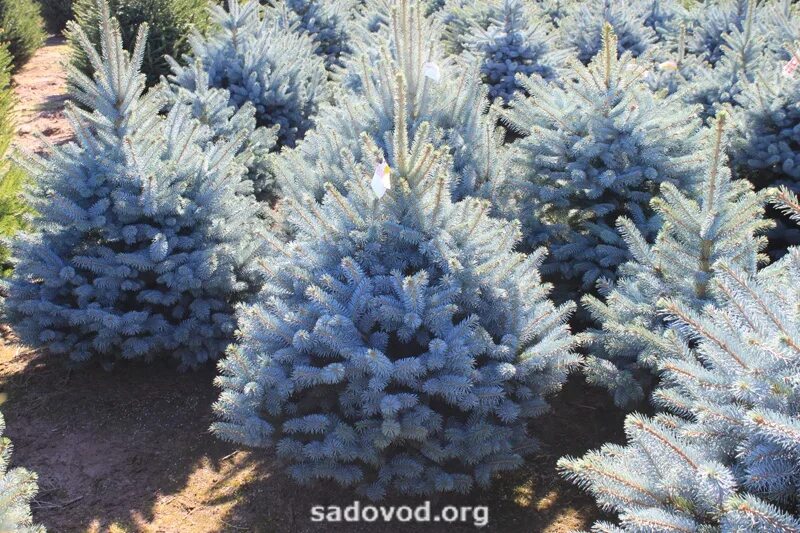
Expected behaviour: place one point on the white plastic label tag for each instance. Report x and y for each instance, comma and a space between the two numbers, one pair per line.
432, 71
381, 180
668, 65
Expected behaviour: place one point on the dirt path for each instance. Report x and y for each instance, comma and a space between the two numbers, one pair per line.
41, 88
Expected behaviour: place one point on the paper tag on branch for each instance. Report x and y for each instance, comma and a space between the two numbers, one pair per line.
790, 67
381, 180
670, 66
432, 71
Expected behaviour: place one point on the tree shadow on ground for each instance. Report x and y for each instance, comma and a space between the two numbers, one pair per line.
130, 450
106, 444
533, 498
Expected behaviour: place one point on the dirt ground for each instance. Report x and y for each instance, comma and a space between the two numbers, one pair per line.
40, 87
129, 450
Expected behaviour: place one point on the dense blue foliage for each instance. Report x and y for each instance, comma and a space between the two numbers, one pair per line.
777, 20
665, 17
673, 68
326, 21
738, 389
722, 221
553, 10
744, 55
144, 227
710, 26
768, 142
212, 107
459, 18
724, 455
584, 26
400, 344
767, 147
664, 482
518, 41
355, 202
447, 96
594, 149
250, 53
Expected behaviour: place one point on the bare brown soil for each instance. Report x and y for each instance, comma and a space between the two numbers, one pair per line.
129, 450
40, 87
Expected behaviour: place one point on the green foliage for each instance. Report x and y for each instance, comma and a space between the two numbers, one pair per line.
17, 488
56, 14
22, 27
12, 208
6, 101
170, 22
12, 212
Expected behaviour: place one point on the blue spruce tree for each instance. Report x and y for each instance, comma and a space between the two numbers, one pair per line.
674, 68
664, 17
723, 222
518, 41
767, 147
711, 22
460, 17
739, 388
450, 98
553, 10
144, 237
399, 345
326, 22
592, 151
778, 21
213, 108
432, 6
251, 54
663, 483
725, 456
370, 16
743, 56
585, 25
17, 488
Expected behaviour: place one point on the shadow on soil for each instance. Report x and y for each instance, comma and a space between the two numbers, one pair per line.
129, 450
